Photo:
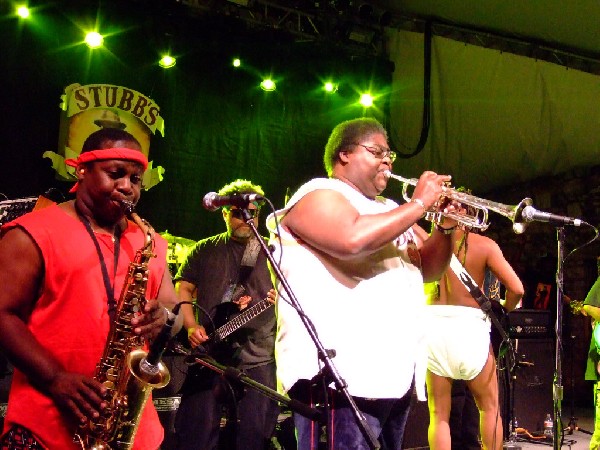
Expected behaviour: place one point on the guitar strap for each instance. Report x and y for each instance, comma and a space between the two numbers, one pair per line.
484, 303
247, 263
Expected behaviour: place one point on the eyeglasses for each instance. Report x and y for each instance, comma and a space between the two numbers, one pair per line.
379, 152
237, 213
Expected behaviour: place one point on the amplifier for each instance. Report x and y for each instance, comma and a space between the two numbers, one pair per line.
11, 209
530, 323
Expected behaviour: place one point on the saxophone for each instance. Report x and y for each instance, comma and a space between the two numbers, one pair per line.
119, 369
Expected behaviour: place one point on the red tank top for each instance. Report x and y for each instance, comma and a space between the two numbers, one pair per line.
70, 318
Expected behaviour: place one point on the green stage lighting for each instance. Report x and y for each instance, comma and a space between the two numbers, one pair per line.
23, 12
366, 100
330, 87
268, 85
94, 39
167, 62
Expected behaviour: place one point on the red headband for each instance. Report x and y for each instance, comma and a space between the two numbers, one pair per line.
127, 154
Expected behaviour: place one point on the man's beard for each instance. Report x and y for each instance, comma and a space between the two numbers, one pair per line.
242, 233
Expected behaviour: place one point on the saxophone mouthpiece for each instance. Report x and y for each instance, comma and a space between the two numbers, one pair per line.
128, 207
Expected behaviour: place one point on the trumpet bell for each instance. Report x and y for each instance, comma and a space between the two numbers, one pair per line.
519, 225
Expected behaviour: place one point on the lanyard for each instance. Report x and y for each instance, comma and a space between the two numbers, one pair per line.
110, 288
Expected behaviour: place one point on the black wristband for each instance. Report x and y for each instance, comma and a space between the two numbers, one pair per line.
443, 230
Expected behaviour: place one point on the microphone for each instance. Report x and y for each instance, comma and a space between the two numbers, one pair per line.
530, 214
212, 200
149, 364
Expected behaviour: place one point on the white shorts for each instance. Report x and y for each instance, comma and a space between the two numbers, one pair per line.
457, 341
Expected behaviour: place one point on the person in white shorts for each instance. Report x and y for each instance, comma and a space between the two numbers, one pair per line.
458, 340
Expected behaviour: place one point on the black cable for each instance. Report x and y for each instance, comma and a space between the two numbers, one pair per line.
426, 121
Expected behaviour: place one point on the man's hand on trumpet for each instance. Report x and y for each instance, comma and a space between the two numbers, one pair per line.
429, 191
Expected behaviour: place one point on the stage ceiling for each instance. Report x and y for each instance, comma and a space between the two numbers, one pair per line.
495, 93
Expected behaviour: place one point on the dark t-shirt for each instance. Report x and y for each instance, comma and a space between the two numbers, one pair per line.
593, 299
213, 266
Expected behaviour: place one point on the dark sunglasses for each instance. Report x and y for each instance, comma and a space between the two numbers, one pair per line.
237, 213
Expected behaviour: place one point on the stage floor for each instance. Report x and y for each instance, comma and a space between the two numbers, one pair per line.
578, 440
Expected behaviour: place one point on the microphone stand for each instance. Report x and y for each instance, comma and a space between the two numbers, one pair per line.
236, 375
557, 392
324, 355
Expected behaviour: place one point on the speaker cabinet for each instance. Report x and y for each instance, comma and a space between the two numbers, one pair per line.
533, 382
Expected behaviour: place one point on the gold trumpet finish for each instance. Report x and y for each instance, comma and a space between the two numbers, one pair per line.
479, 217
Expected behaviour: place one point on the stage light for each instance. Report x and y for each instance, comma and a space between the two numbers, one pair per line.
362, 35
330, 87
94, 39
23, 12
167, 62
236, 62
366, 100
268, 85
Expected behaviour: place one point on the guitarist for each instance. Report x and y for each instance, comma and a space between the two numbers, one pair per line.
591, 307
225, 274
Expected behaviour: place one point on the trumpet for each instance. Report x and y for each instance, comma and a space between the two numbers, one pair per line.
477, 217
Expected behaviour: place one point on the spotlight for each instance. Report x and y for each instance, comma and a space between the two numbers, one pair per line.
236, 62
167, 61
330, 87
361, 35
23, 12
268, 85
94, 39
366, 100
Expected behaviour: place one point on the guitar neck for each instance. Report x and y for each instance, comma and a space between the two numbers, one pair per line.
237, 322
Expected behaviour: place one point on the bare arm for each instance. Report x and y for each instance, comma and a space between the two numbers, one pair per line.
436, 251
327, 221
21, 275
506, 274
167, 297
187, 291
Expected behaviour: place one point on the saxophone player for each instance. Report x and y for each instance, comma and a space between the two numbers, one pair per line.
61, 271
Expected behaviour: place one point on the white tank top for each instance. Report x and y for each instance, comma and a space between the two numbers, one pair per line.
375, 327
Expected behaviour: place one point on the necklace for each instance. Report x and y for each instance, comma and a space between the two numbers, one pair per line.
116, 239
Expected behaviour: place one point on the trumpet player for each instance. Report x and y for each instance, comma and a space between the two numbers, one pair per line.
356, 264
458, 340
61, 272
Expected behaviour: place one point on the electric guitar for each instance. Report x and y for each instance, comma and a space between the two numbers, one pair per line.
238, 321
215, 346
